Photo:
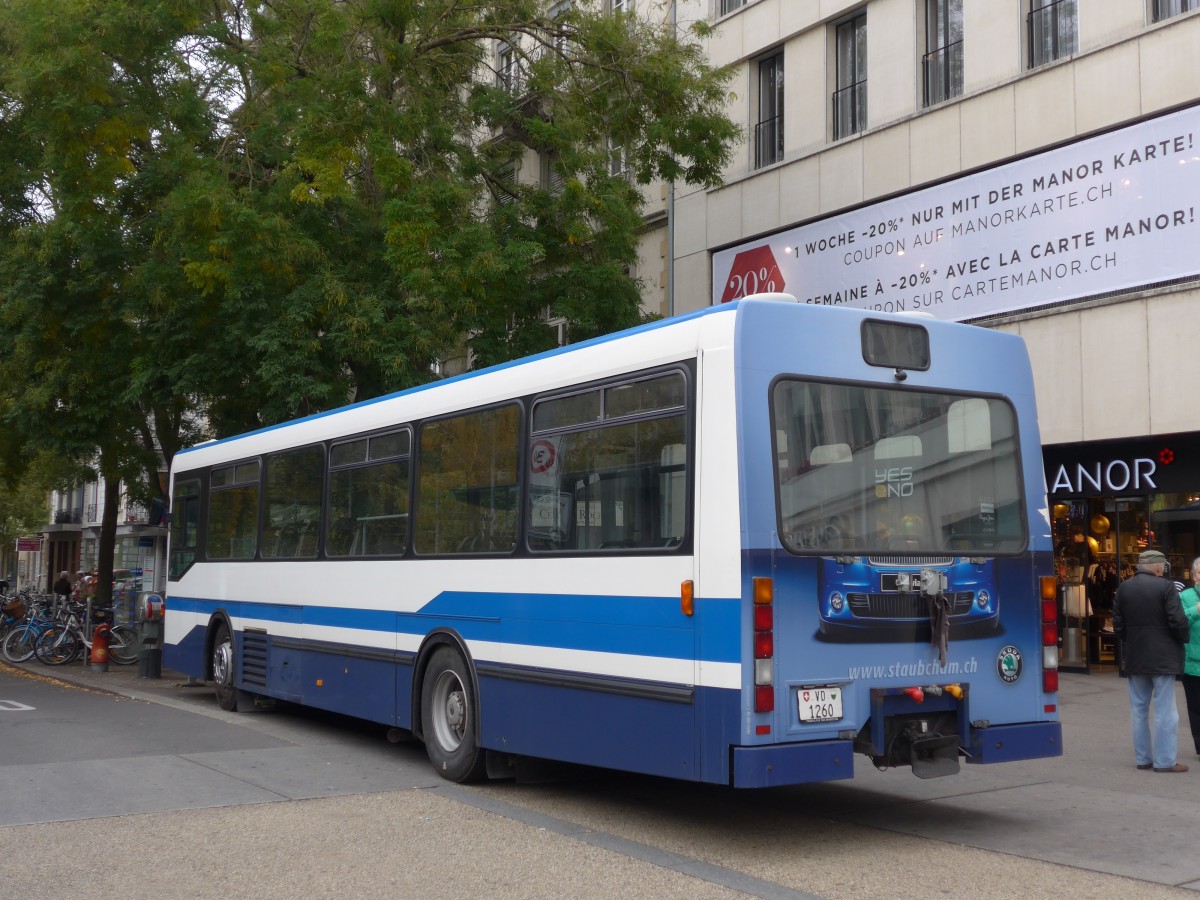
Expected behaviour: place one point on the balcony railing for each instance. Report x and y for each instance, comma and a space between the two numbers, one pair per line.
136, 514
942, 73
72, 516
849, 110
513, 79
768, 141
1053, 32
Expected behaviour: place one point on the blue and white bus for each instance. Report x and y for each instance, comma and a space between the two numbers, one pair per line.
738, 546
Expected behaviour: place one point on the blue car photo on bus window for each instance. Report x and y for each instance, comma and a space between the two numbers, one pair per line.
885, 592
907, 496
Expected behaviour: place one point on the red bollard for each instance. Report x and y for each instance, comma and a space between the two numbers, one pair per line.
99, 655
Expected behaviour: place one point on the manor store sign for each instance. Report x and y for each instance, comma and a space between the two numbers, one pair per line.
1111, 468
1115, 477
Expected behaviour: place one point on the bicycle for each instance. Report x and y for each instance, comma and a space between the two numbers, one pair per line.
18, 645
62, 643
13, 609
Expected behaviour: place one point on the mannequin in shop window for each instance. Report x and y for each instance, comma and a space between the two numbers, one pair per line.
1080, 562
1101, 588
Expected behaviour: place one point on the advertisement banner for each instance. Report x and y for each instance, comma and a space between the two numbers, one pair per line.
1109, 213
29, 545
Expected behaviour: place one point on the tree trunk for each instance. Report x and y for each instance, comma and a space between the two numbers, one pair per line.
108, 542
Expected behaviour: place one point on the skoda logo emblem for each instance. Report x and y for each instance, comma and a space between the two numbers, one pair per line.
1008, 664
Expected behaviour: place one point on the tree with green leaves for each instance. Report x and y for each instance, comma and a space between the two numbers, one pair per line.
219, 215
23, 505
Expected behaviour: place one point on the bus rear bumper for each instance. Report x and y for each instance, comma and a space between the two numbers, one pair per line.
775, 765
1006, 743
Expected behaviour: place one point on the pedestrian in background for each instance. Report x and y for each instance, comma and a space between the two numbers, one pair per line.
62, 587
1149, 619
1190, 599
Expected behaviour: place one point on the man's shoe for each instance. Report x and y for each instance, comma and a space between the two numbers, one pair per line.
1145, 766
1178, 767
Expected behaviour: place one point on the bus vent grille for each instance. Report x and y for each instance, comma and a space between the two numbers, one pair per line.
911, 561
254, 659
904, 606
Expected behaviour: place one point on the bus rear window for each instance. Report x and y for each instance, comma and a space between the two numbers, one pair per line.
862, 469
895, 345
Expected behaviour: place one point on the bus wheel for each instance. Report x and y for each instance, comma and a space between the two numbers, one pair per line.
224, 668
449, 716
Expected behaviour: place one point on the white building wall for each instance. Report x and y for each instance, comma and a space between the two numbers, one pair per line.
1106, 368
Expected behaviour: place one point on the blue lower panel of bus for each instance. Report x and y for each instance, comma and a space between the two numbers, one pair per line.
1007, 743
775, 765
614, 723
358, 682
188, 656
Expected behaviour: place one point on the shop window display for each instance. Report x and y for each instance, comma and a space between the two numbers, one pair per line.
1097, 542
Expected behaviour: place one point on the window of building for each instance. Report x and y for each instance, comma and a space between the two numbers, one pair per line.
1053, 30
850, 98
467, 483
618, 162
621, 6
509, 72
558, 41
942, 64
506, 187
725, 7
1165, 9
557, 325
292, 512
768, 127
368, 496
233, 512
608, 468
553, 178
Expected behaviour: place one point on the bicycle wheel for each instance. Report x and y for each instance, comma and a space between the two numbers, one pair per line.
58, 646
123, 645
20, 642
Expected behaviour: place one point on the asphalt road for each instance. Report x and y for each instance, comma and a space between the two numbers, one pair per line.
166, 795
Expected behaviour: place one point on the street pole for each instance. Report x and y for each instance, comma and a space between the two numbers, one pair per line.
671, 211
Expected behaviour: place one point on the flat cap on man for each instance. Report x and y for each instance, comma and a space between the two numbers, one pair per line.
1151, 558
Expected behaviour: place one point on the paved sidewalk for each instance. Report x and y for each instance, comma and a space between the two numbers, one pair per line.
122, 680
1090, 810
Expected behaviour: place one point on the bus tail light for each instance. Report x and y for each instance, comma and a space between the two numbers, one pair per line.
1049, 588
764, 645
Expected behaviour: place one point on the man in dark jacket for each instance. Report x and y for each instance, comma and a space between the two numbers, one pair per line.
1149, 619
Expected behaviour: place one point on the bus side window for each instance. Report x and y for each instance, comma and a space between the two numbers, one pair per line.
368, 496
293, 503
233, 496
466, 483
185, 526
608, 468
673, 494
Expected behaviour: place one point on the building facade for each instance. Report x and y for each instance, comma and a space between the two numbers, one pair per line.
69, 542
1026, 165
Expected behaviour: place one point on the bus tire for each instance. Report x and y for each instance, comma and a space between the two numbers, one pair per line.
449, 718
224, 668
